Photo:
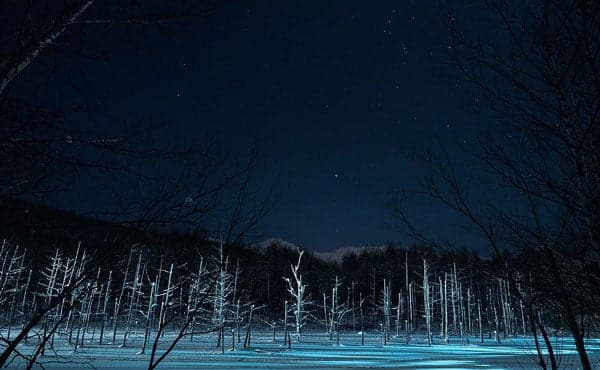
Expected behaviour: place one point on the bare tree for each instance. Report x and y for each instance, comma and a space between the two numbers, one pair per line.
542, 79
335, 311
41, 150
427, 301
297, 290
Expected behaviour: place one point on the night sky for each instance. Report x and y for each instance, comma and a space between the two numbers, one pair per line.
335, 96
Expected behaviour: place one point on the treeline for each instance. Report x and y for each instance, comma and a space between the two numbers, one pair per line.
42, 230
260, 274
85, 280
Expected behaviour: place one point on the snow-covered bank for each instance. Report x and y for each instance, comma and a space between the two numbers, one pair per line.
316, 351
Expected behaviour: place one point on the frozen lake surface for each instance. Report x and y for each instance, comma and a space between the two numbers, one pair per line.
314, 351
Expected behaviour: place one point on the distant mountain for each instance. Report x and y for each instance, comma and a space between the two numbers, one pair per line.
335, 256
338, 255
275, 242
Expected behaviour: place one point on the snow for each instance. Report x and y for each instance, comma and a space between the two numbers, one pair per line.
315, 351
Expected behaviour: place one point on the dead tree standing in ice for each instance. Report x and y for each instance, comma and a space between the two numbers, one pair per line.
408, 321
196, 291
203, 284
119, 299
399, 307
297, 290
60, 283
249, 327
337, 310
479, 320
285, 322
411, 305
149, 314
353, 308
166, 296
135, 292
361, 301
10, 280
104, 313
444, 307
221, 296
386, 308
325, 314
426, 301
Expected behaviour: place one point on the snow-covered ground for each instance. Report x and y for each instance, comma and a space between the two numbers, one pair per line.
315, 351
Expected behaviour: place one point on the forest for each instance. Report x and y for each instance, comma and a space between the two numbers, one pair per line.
193, 286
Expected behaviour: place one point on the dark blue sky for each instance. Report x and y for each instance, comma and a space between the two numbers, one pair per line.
333, 94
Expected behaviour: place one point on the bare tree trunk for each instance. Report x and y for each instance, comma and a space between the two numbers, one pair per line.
104, 307
42, 44
249, 328
479, 321
149, 316
285, 321
426, 303
538, 350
